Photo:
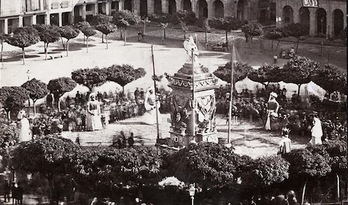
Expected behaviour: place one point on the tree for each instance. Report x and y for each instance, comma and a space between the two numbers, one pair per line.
69, 33
184, 18
106, 29
124, 74
273, 35
206, 28
330, 78
227, 24
89, 77
296, 30
13, 98
23, 37
59, 86
252, 30
266, 74
102, 169
298, 70
263, 172
48, 34
208, 164
87, 31
307, 166
50, 156
123, 19
36, 90
9, 133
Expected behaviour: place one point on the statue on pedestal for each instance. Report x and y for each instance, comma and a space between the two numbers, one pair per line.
191, 49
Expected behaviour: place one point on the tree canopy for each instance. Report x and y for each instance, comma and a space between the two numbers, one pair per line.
124, 74
240, 71
208, 164
266, 74
36, 88
330, 78
13, 98
59, 86
125, 18
89, 77
68, 32
252, 29
23, 37
227, 24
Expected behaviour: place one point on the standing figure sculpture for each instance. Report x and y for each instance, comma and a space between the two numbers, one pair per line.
93, 114
189, 46
150, 105
272, 109
25, 133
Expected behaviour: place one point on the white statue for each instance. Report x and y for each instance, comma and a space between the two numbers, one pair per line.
189, 46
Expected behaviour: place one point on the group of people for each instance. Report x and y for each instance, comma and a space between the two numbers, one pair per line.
14, 191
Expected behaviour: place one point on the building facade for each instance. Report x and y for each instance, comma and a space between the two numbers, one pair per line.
324, 17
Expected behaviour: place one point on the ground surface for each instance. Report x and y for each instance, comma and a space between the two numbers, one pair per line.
169, 57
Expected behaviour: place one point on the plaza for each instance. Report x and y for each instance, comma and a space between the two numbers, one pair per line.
121, 157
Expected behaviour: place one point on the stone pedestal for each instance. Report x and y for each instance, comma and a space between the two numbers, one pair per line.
193, 118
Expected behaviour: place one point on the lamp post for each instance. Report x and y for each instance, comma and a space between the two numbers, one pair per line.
192, 191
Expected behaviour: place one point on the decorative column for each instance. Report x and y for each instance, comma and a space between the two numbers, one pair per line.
296, 14
312, 22
60, 19
185, 108
329, 24
193, 6
108, 8
33, 20
48, 19
136, 6
150, 7
6, 26
179, 5
83, 12
96, 8
20, 21
165, 5
121, 5
210, 10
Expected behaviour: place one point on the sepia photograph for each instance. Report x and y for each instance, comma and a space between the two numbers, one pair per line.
173, 102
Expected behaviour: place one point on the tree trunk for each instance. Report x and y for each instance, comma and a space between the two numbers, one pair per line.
58, 104
298, 41
46, 48
164, 33
67, 48
87, 43
2, 51
106, 39
34, 107
250, 46
125, 36
50, 187
121, 36
261, 44
23, 56
278, 44
272, 44
63, 43
226, 33
205, 36
303, 192
338, 187
144, 28
102, 38
8, 115
299, 89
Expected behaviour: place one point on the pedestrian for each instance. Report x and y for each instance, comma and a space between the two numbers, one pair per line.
7, 190
94, 201
285, 142
20, 193
131, 140
316, 130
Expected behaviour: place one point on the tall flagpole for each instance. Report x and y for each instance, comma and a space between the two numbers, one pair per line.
193, 97
155, 87
231, 95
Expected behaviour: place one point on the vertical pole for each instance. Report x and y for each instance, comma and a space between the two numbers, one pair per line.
231, 97
155, 87
192, 200
193, 97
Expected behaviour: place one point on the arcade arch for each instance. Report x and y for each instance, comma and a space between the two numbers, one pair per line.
218, 9
202, 9
172, 6
128, 5
304, 16
158, 6
241, 6
338, 21
187, 5
288, 15
143, 8
321, 21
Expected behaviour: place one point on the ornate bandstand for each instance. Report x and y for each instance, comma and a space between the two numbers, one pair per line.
193, 104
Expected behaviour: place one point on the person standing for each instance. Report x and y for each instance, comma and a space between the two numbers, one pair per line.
272, 109
7, 190
316, 131
150, 104
285, 142
25, 133
93, 114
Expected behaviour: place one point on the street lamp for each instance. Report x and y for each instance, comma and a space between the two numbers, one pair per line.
192, 191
